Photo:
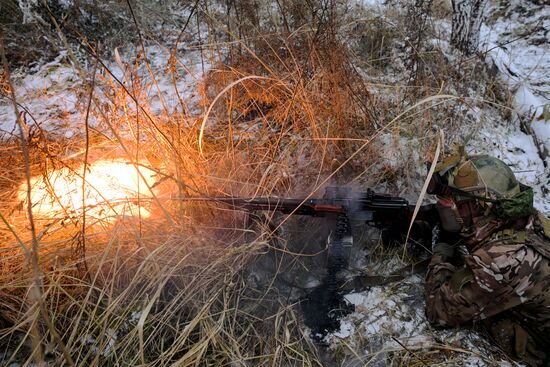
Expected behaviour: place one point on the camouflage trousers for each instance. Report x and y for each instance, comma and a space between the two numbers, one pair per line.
516, 342
506, 278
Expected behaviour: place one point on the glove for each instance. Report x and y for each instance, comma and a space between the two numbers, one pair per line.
444, 250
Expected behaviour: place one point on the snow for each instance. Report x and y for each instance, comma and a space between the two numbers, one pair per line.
347, 328
389, 317
517, 43
526, 102
52, 95
48, 98
26, 7
518, 46
371, 3
381, 313
104, 350
542, 129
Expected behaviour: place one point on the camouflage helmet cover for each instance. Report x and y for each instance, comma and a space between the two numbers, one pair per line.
486, 174
485, 185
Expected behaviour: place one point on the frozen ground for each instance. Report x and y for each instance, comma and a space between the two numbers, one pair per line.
387, 319
51, 100
516, 42
390, 319
50, 95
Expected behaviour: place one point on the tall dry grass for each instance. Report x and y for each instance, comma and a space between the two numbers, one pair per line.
174, 289
284, 112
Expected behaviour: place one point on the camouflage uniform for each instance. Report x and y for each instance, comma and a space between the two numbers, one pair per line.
503, 275
508, 273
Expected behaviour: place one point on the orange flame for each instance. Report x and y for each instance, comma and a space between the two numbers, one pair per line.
112, 189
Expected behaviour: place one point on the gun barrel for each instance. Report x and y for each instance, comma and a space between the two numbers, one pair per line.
312, 207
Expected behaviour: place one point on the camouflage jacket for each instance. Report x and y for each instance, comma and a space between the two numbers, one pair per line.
510, 270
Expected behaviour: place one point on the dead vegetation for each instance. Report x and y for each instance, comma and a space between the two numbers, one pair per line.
173, 289
283, 111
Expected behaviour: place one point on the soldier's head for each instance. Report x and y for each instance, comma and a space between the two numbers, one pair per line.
467, 188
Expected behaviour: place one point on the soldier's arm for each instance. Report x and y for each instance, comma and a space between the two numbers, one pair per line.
494, 279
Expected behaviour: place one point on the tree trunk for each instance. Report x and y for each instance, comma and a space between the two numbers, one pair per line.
467, 18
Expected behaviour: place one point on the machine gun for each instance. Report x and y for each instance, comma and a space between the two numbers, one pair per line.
392, 214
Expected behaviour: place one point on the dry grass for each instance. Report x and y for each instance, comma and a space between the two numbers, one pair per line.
170, 290
287, 113
173, 289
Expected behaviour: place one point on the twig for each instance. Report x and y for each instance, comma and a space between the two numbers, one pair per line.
36, 286
85, 168
410, 351
145, 59
35, 289
66, 44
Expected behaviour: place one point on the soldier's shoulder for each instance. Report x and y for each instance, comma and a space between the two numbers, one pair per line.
539, 234
541, 225
506, 251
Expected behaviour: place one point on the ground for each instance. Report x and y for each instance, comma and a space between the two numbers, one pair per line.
390, 318
508, 119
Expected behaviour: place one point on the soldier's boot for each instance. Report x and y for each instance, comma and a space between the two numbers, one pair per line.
516, 342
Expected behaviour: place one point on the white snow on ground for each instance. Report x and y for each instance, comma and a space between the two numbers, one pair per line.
371, 310
516, 39
47, 97
516, 43
388, 318
166, 95
50, 97
371, 3
391, 318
